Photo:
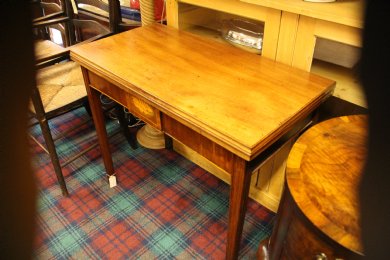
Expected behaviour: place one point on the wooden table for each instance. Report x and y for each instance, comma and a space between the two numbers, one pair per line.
226, 104
319, 216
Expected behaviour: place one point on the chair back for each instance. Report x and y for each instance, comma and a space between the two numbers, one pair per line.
44, 11
107, 12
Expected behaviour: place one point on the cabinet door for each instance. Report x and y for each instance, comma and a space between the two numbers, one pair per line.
303, 242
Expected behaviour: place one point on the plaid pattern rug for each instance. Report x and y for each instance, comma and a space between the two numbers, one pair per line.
164, 207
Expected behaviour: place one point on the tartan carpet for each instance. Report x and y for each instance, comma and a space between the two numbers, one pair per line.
164, 207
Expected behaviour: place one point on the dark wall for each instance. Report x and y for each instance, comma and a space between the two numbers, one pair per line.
375, 189
17, 194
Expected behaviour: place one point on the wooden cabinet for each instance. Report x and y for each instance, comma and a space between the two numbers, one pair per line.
204, 17
346, 32
304, 25
292, 32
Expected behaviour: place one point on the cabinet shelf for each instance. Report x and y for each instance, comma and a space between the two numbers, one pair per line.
208, 23
232, 7
348, 13
348, 86
192, 15
205, 32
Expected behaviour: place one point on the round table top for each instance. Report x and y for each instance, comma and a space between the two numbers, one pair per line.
323, 173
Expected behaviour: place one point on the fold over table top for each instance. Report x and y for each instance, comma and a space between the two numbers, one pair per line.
240, 100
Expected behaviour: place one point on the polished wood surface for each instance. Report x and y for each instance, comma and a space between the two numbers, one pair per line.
226, 104
319, 217
323, 174
216, 89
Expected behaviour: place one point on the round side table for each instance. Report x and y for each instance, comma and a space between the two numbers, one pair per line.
318, 217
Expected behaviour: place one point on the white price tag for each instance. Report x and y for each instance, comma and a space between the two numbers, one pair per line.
112, 181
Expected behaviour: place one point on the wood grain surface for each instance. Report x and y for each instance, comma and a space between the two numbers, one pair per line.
240, 100
323, 173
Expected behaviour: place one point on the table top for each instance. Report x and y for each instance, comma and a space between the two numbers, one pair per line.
237, 99
323, 173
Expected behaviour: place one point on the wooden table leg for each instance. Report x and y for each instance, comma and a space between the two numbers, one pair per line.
98, 118
239, 190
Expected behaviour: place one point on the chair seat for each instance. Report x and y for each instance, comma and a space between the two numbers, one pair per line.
59, 85
44, 48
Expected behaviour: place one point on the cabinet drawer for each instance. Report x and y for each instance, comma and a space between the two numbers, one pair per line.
304, 241
137, 106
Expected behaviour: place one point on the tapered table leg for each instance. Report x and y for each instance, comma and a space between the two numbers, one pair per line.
239, 190
98, 118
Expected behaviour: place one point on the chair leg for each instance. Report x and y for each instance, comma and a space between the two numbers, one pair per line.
168, 142
53, 154
131, 139
40, 115
87, 107
124, 125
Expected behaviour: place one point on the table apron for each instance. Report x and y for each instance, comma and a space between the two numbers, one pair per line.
140, 108
137, 106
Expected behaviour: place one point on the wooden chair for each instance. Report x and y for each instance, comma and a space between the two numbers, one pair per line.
44, 11
60, 86
119, 21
